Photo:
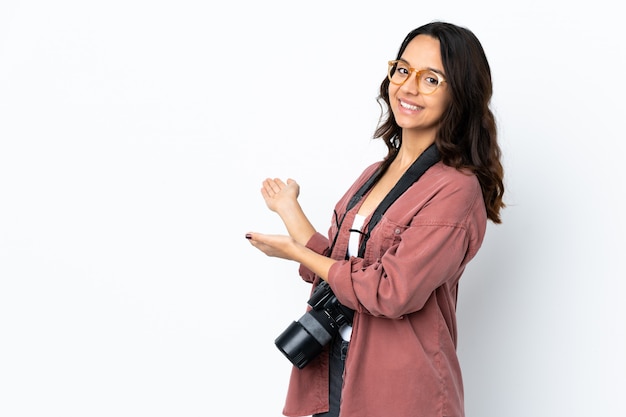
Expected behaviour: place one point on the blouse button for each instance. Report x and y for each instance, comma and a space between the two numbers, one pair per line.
397, 231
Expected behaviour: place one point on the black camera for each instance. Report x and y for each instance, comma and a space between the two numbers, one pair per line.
304, 339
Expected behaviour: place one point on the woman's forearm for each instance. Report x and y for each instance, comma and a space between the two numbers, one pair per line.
298, 225
318, 264
286, 247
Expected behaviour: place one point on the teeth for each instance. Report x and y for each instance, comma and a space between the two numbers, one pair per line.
408, 106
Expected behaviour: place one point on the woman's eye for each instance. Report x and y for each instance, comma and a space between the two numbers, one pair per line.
431, 80
403, 70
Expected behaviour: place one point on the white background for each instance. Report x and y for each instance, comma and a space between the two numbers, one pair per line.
134, 136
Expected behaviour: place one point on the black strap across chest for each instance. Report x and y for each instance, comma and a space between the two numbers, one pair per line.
427, 159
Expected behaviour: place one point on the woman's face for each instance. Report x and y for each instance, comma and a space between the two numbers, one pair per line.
416, 112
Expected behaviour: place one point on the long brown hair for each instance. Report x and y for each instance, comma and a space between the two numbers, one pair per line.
467, 135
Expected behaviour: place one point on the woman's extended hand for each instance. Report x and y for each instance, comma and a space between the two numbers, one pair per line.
282, 198
286, 247
279, 195
278, 246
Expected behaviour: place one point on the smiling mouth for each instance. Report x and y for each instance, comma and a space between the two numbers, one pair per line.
408, 106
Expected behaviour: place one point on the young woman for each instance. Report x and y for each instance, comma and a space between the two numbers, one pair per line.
397, 356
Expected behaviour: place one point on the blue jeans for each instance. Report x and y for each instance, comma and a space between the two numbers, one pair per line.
338, 351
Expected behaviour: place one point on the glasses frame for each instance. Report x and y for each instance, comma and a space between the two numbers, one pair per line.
417, 72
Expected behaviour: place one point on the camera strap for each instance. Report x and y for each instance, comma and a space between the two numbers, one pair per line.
427, 159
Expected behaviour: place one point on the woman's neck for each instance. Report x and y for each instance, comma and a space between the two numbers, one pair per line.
411, 149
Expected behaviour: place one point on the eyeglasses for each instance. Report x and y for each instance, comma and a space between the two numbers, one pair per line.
427, 80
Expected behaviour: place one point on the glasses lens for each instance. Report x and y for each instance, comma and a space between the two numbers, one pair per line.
428, 82
398, 72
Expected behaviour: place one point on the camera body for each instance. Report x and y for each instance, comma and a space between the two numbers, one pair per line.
304, 339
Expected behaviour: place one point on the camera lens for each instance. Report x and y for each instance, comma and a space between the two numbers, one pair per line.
298, 345
304, 339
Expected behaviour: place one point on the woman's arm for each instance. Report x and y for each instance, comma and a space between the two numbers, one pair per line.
286, 247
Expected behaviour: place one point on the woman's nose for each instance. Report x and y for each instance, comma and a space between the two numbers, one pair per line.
410, 85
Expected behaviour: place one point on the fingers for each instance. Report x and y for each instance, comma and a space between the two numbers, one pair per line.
272, 186
262, 243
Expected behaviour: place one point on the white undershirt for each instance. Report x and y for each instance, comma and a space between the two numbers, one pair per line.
355, 237
353, 250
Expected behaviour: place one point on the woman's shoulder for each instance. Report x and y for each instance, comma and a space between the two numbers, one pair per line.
453, 193
454, 178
